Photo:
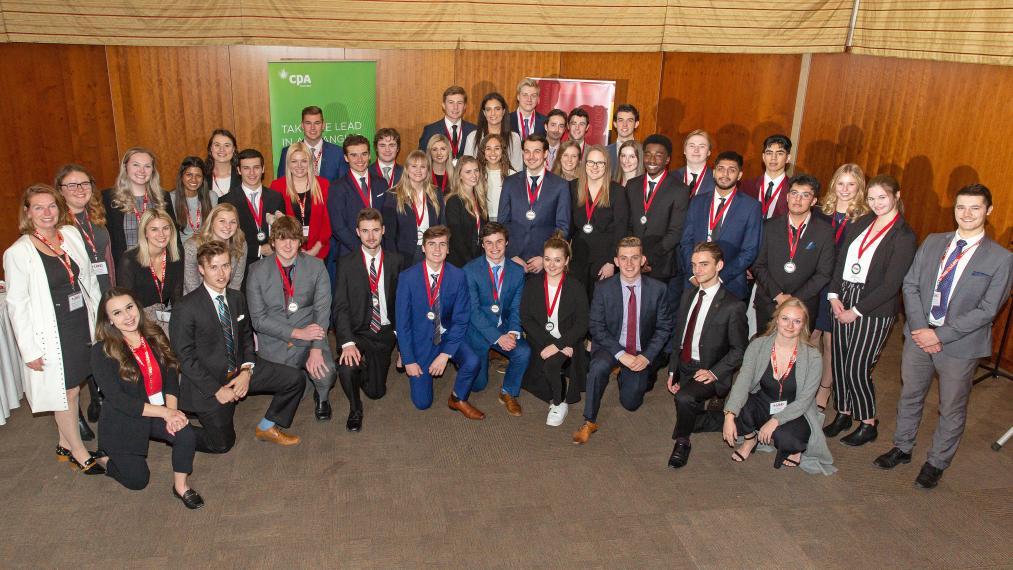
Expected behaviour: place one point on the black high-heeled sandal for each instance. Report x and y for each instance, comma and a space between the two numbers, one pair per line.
90, 467
62, 453
736, 456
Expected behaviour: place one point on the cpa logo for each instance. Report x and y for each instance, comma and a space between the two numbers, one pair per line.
296, 79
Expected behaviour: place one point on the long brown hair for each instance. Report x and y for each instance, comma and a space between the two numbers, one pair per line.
96, 211
603, 193
114, 346
557, 165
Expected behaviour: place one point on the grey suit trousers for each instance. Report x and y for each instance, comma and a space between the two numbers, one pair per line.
955, 378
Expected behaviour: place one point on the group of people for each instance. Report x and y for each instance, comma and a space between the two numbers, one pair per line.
570, 260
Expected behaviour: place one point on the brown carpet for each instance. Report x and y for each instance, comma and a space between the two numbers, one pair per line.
433, 489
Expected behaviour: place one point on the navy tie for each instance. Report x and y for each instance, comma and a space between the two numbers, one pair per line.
946, 283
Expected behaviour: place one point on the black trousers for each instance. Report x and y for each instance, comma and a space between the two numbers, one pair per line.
690, 399
632, 385
132, 472
285, 383
791, 437
370, 376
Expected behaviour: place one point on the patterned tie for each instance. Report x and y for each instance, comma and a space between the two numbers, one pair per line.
454, 139
526, 125
369, 197
386, 174
687, 341
495, 284
437, 335
316, 162
631, 322
225, 318
374, 319
939, 311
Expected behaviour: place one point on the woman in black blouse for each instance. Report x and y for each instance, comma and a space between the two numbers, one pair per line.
154, 270
466, 211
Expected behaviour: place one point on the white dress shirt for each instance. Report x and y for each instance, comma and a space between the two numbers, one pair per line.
972, 242
705, 305
716, 201
637, 289
774, 199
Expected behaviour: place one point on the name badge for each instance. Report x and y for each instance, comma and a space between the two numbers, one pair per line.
163, 316
156, 399
75, 301
99, 268
937, 299
305, 231
777, 407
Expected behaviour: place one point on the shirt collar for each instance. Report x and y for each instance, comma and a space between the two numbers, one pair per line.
539, 174
450, 124
636, 284
970, 241
776, 181
214, 294
249, 190
656, 178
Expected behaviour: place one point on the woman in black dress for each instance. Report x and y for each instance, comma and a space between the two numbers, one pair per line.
412, 206
466, 211
139, 375
154, 270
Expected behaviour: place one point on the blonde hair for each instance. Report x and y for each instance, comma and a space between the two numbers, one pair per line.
150, 215
236, 244
557, 165
438, 138
315, 191
528, 82
403, 190
479, 195
25, 224
582, 193
123, 198
858, 207
798, 304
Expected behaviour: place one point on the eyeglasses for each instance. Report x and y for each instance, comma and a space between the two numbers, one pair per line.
596, 163
75, 186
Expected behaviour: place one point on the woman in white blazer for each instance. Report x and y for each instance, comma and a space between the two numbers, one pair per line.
49, 281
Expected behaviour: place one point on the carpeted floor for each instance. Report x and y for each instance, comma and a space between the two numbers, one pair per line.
433, 489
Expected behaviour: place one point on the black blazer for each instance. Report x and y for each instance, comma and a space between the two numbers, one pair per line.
440, 128
273, 202
610, 225
136, 277
121, 427
464, 244
814, 262
723, 340
572, 313
655, 320
663, 231
351, 305
400, 230
881, 295
114, 222
198, 340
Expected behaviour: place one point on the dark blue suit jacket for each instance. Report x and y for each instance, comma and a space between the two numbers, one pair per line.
414, 330
400, 230
708, 180
655, 320
515, 125
552, 212
739, 238
374, 170
344, 204
335, 166
483, 321
440, 128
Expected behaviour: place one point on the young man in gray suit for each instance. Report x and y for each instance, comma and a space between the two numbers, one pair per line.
289, 295
952, 292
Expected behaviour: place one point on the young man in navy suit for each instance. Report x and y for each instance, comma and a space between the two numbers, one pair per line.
433, 310
728, 217
455, 100
630, 324
526, 120
533, 204
495, 285
771, 188
626, 121
387, 144
328, 160
697, 149
355, 191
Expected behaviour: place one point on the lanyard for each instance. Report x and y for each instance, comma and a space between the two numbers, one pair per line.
712, 220
415, 210
200, 217
63, 256
793, 244
286, 282
839, 226
367, 196
441, 183
144, 206
773, 195
589, 206
379, 171
699, 181
432, 292
159, 279
148, 371
657, 187
450, 137
549, 307
89, 233
533, 196
863, 247
256, 212
300, 200
780, 378
374, 285
944, 271
496, 287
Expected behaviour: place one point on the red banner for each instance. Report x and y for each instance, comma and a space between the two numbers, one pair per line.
594, 96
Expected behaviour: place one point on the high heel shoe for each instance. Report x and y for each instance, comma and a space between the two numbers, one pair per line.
86, 433
840, 423
90, 467
736, 456
62, 453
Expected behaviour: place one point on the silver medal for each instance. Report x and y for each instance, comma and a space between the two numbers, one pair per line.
494, 309
549, 326
376, 301
643, 220
588, 228
530, 215
789, 267
856, 268
431, 316
293, 307
261, 236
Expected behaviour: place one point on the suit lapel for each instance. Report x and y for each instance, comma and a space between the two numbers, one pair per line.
713, 309
978, 262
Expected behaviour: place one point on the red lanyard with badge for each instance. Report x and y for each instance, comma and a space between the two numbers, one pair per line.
789, 266
781, 377
944, 271
76, 299
839, 226
367, 195
287, 285
256, 214
657, 189
699, 181
525, 129
152, 381
144, 206
590, 205
374, 284
159, 278
432, 293
533, 194
856, 267
419, 218
496, 287
773, 195
712, 220
551, 306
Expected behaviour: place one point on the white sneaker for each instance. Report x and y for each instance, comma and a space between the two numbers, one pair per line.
562, 409
556, 415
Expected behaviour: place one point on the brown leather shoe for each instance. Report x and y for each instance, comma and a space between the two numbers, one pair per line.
513, 407
469, 411
581, 436
275, 435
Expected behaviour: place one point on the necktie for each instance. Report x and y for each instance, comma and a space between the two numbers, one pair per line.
495, 283
692, 183
687, 340
454, 139
386, 173
650, 188
369, 198
631, 321
525, 125
534, 182
316, 162
374, 318
437, 335
253, 200
225, 318
769, 193
946, 284
721, 218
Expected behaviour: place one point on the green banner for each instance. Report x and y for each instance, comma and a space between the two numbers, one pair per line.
345, 90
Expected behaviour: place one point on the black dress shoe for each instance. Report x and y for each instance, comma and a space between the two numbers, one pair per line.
892, 458
94, 409
322, 411
840, 423
929, 476
190, 498
680, 455
354, 423
863, 435
82, 425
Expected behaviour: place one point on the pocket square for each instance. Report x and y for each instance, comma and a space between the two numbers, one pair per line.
811, 245
240, 317
980, 274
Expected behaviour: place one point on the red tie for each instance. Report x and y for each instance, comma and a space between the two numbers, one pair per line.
687, 340
631, 322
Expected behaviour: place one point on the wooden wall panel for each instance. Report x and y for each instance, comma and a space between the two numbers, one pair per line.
740, 99
482, 72
169, 100
55, 109
637, 77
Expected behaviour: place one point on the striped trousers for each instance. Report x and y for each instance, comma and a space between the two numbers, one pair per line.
856, 349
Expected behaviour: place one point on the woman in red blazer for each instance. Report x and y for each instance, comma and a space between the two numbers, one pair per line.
306, 199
